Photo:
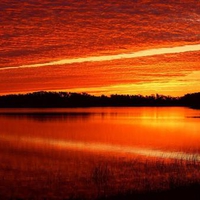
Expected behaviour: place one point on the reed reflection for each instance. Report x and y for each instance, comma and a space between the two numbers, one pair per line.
40, 116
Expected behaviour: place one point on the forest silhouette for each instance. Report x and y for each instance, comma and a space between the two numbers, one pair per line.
44, 99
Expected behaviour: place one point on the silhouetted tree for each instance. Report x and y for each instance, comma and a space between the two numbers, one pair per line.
43, 99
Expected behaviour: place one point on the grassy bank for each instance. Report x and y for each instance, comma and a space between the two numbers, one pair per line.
48, 174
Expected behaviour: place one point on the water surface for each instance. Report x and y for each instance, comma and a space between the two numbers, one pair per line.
60, 153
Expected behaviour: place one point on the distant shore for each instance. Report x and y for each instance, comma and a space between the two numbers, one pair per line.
43, 99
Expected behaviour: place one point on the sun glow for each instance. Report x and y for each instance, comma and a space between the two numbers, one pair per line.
170, 87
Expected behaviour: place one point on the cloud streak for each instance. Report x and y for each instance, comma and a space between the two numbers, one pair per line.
142, 53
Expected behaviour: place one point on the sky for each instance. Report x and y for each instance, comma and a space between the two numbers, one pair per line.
100, 47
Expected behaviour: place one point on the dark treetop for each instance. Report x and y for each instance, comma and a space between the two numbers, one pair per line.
64, 99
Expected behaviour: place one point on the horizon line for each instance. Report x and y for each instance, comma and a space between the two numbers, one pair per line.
60, 91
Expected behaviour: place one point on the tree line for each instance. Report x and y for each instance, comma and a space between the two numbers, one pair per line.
44, 99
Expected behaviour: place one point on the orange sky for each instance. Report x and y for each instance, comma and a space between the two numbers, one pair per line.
141, 47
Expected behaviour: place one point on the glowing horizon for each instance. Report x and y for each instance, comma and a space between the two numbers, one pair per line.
138, 54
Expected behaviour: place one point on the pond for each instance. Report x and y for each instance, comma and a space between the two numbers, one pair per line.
93, 152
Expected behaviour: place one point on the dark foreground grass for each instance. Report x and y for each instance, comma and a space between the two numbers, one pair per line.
190, 192
58, 175
187, 192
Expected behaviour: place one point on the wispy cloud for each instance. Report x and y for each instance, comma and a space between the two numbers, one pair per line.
142, 53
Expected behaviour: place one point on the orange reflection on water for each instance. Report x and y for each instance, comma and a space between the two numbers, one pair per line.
105, 148
170, 129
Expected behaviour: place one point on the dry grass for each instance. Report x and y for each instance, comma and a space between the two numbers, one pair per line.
61, 175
